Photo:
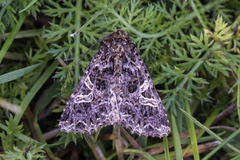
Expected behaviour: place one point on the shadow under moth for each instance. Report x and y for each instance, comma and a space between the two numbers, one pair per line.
116, 88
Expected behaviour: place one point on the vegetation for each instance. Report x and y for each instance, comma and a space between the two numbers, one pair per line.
191, 49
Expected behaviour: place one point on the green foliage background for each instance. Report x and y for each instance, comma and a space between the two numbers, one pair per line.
191, 49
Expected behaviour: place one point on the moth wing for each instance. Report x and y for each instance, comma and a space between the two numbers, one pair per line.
87, 108
116, 88
142, 110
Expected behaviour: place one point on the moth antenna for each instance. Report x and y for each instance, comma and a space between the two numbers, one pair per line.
88, 51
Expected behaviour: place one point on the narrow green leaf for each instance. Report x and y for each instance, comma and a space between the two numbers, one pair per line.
17, 73
166, 149
28, 6
209, 131
12, 35
238, 95
196, 11
236, 158
26, 139
229, 138
145, 154
27, 99
192, 133
176, 138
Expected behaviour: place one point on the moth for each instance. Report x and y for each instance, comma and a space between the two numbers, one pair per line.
116, 88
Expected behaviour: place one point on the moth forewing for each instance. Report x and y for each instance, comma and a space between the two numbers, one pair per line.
116, 88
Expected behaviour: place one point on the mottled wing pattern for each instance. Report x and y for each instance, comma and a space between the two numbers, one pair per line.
116, 88
142, 110
88, 107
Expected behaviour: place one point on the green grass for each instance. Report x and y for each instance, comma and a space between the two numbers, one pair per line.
190, 48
